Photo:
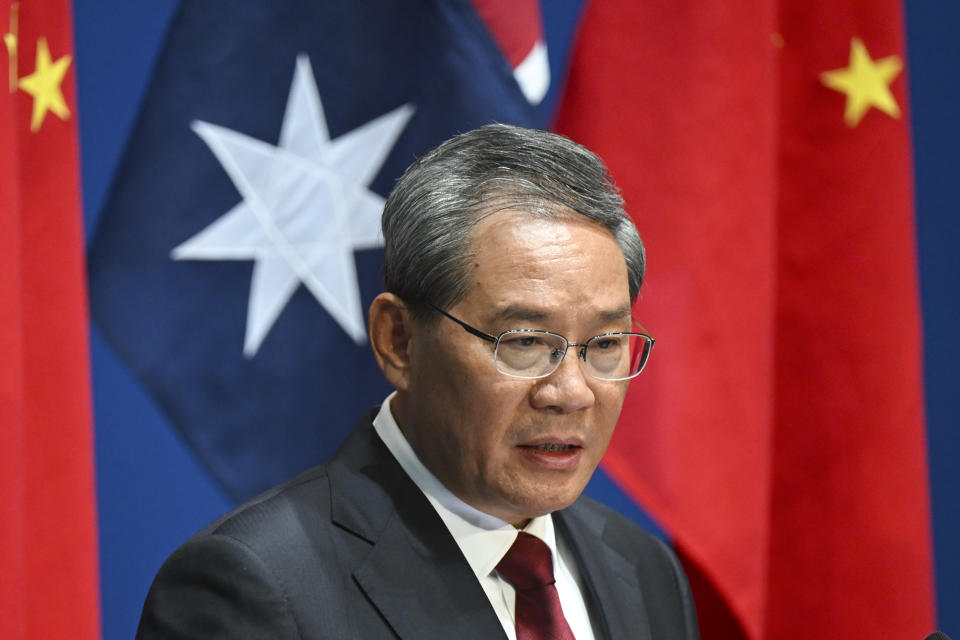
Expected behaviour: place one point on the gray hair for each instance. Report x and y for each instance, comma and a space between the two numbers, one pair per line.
429, 218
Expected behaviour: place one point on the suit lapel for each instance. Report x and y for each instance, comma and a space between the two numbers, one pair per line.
414, 574
423, 583
610, 582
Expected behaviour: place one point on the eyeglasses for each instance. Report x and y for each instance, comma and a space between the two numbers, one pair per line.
528, 353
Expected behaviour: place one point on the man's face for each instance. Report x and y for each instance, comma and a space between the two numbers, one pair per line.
519, 448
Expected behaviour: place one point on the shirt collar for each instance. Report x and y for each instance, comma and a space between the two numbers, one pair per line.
483, 539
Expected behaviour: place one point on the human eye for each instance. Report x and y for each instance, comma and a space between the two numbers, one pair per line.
525, 353
606, 354
522, 341
606, 343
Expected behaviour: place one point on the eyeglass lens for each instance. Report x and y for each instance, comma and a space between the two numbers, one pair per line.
532, 354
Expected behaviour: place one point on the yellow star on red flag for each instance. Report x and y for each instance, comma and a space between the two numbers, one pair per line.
44, 85
866, 82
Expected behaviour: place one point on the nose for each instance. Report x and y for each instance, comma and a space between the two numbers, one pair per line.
567, 389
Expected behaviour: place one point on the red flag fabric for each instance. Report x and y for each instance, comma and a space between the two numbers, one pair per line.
517, 28
48, 535
763, 149
514, 24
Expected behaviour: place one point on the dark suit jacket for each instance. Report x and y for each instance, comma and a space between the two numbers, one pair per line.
353, 549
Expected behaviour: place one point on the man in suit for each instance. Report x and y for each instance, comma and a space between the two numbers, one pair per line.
454, 510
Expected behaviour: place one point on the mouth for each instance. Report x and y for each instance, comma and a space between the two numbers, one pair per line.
552, 455
551, 447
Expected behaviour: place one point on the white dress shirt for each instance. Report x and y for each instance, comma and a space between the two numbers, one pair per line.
485, 539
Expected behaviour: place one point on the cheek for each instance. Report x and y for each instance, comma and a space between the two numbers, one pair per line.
610, 403
491, 420
494, 417
477, 408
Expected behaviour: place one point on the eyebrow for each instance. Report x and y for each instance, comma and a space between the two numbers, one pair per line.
515, 313
616, 314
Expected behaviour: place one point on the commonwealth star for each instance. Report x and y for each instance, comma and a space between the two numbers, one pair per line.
306, 208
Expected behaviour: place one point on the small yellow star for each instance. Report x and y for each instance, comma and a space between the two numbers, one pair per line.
866, 83
44, 85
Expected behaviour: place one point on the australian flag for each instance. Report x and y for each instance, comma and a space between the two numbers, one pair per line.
240, 246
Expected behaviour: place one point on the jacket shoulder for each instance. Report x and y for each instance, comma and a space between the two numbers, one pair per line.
304, 499
617, 531
242, 575
653, 565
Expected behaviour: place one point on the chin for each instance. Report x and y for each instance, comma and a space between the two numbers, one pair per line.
541, 505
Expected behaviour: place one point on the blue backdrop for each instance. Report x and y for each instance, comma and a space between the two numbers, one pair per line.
152, 492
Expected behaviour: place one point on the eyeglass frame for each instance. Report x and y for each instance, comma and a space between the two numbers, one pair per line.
582, 355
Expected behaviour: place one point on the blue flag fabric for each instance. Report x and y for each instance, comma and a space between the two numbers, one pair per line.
239, 246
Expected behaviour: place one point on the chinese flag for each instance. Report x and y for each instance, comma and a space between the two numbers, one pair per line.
48, 568
777, 434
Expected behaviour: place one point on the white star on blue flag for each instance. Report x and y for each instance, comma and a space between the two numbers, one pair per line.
306, 208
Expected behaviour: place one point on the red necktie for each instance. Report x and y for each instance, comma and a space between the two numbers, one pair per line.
528, 566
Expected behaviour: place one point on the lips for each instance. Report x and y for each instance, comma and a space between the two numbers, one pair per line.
552, 454
551, 447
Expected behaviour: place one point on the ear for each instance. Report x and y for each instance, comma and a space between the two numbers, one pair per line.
390, 331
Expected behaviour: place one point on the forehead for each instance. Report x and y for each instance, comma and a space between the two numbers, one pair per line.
546, 266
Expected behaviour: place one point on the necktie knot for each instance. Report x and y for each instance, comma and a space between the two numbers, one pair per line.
528, 564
